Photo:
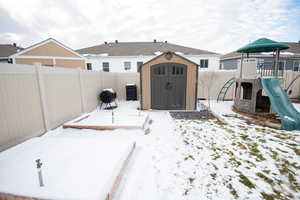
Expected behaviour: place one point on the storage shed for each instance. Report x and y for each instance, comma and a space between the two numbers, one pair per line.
169, 82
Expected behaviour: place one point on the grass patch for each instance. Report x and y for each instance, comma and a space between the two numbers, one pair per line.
254, 151
267, 196
222, 123
189, 157
233, 192
244, 180
262, 130
191, 180
186, 142
245, 137
214, 176
265, 178
216, 157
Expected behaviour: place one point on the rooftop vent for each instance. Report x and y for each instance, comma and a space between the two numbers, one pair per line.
116, 41
154, 40
166, 41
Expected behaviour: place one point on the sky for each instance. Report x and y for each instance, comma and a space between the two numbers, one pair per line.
221, 26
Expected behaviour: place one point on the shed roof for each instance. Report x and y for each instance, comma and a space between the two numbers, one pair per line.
262, 45
169, 52
140, 48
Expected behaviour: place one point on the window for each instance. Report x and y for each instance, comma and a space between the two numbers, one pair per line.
296, 66
159, 70
176, 70
204, 63
105, 66
127, 66
89, 66
138, 66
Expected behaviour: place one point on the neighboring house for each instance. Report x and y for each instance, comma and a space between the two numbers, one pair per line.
51, 53
129, 56
289, 58
6, 50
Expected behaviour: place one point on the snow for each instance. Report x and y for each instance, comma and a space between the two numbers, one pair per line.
103, 54
178, 159
297, 106
109, 89
158, 53
179, 53
69, 168
111, 118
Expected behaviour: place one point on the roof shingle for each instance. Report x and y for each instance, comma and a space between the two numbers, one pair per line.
8, 49
140, 48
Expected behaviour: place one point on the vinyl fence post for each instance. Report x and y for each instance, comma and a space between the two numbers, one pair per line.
43, 99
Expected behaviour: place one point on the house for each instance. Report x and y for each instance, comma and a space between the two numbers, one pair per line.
289, 58
6, 50
129, 56
49, 53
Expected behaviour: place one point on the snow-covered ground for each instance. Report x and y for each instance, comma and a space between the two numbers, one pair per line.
194, 159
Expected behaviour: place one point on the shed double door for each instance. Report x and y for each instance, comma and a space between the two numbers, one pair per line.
168, 86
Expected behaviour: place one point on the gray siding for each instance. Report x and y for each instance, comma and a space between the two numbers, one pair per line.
289, 65
229, 64
232, 63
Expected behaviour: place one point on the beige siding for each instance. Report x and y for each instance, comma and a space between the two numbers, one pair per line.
50, 49
70, 63
191, 81
30, 61
21, 113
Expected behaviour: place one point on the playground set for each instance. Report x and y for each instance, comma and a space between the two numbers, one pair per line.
259, 88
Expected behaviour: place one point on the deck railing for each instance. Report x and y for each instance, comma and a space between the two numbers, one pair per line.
267, 69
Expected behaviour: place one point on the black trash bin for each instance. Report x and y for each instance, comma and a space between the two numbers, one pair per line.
131, 92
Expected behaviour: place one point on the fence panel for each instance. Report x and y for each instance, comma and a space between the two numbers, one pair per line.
62, 94
21, 115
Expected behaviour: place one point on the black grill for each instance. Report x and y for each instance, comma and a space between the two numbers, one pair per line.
107, 96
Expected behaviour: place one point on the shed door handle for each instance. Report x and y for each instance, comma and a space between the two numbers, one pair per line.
168, 86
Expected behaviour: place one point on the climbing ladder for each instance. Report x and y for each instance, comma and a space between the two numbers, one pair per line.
224, 89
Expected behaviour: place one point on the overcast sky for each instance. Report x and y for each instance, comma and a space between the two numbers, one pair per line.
215, 25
